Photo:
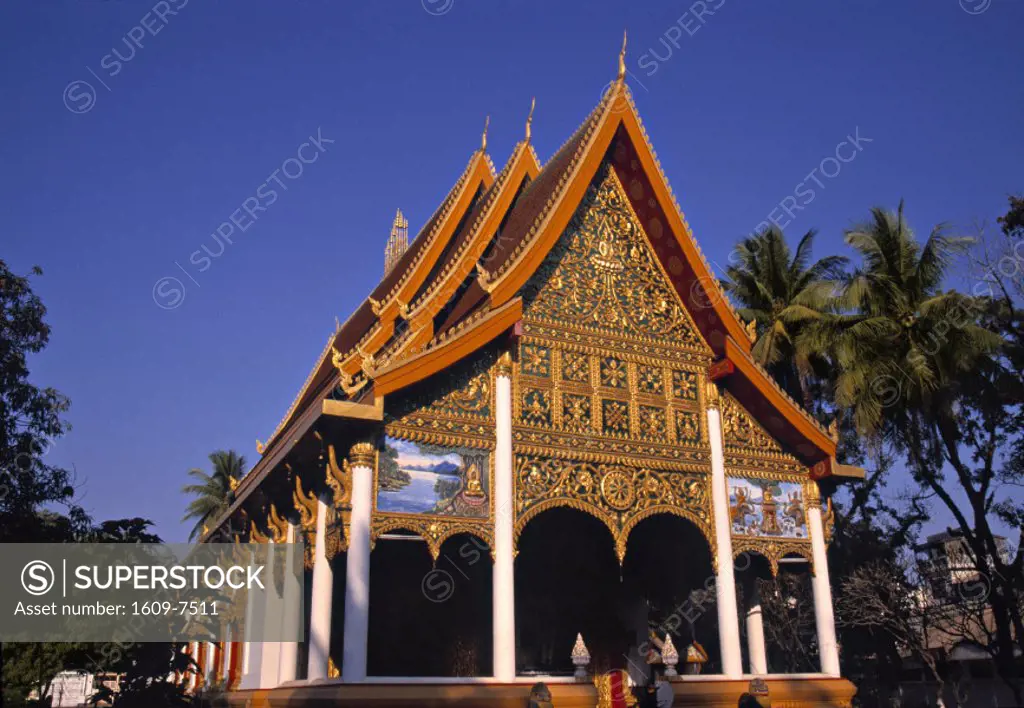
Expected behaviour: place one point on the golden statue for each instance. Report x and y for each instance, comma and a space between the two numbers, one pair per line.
474, 487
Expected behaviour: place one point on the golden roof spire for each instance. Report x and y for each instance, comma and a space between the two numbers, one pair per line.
398, 241
529, 118
622, 58
483, 140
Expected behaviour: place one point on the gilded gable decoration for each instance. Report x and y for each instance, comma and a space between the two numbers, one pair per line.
603, 275
749, 449
456, 408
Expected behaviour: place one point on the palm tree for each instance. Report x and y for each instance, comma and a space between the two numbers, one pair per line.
904, 337
213, 493
785, 295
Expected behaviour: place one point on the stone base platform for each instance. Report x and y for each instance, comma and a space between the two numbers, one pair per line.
785, 692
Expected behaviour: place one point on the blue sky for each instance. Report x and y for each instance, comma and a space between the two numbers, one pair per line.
742, 103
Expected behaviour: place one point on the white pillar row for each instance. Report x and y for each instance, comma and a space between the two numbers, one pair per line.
323, 592
288, 654
828, 647
271, 651
503, 601
725, 581
755, 634
357, 564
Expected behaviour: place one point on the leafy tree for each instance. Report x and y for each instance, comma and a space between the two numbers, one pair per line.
30, 417
925, 369
906, 340
215, 492
784, 293
144, 671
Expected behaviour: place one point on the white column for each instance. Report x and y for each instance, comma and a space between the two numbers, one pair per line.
270, 650
755, 635
725, 582
828, 648
357, 565
503, 600
288, 656
211, 664
252, 652
226, 657
323, 592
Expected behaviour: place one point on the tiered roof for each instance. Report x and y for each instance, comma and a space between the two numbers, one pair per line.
456, 286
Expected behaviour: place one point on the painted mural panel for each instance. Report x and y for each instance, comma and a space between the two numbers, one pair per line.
767, 508
417, 478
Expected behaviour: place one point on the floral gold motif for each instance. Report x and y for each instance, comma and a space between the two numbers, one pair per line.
774, 549
432, 529
603, 274
749, 448
619, 495
617, 490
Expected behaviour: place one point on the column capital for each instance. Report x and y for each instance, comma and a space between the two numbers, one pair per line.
711, 395
362, 454
504, 365
812, 494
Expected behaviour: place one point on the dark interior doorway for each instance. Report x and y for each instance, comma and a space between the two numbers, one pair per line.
430, 619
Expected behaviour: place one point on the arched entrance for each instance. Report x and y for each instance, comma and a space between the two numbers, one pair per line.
669, 587
566, 582
441, 608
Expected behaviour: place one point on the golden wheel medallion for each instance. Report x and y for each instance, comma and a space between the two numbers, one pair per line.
617, 489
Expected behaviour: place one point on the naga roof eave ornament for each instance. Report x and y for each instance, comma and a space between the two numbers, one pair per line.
479, 171
521, 165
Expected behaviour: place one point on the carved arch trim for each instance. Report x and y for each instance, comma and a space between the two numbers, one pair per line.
540, 507
434, 531
701, 526
773, 550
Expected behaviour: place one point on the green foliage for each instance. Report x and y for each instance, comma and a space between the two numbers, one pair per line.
143, 670
215, 492
391, 477
905, 340
914, 369
30, 417
786, 294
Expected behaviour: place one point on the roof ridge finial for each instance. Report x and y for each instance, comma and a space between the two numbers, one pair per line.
483, 139
622, 59
529, 118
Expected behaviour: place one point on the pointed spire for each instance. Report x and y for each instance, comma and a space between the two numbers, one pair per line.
529, 118
483, 140
398, 241
622, 59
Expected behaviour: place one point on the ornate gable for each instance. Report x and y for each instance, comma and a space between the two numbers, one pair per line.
451, 409
749, 449
602, 277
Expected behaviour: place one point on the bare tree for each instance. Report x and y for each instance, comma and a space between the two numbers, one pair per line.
882, 596
788, 611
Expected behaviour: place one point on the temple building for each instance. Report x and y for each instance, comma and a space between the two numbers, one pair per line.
540, 450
